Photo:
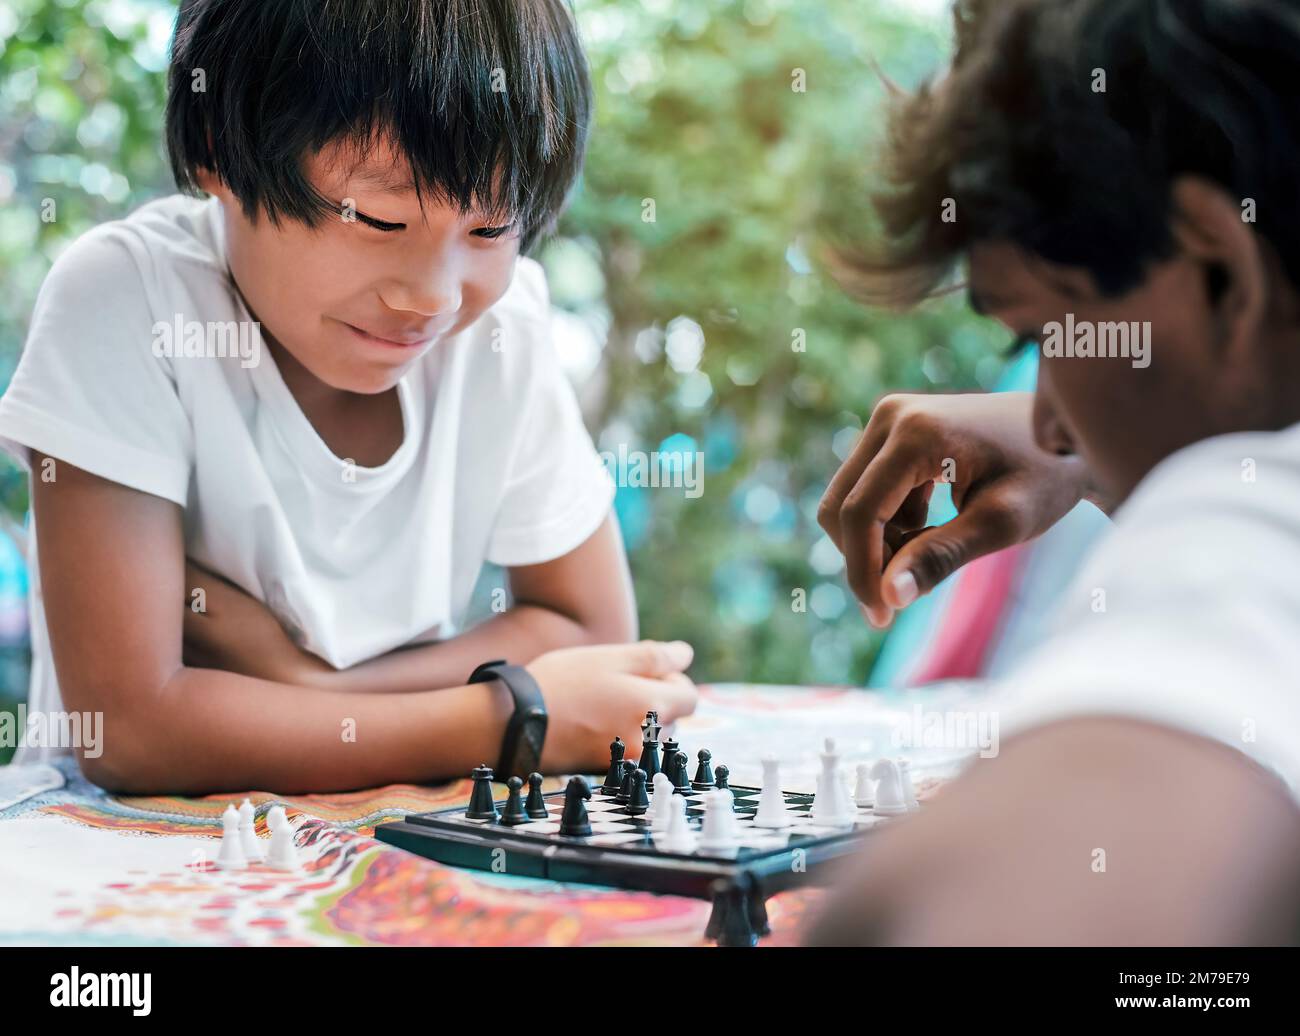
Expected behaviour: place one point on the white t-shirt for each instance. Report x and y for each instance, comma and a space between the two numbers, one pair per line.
1188, 613
495, 464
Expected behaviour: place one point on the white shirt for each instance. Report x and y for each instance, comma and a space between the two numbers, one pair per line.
1188, 613
495, 464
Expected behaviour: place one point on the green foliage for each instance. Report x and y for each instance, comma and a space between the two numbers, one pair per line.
698, 111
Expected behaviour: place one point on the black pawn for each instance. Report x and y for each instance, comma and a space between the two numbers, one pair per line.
625, 785
720, 781
535, 807
680, 784
481, 805
514, 813
573, 821
704, 772
615, 776
638, 801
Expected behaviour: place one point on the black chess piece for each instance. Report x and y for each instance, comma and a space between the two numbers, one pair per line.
638, 801
722, 776
667, 750
535, 807
514, 813
625, 785
680, 784
573, 821
615, 775
669, 767
704, 772
650, 746
481, 804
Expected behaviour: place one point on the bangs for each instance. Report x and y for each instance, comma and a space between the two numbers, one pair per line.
488, 101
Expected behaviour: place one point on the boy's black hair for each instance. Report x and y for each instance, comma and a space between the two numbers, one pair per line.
1019, 136
488, 100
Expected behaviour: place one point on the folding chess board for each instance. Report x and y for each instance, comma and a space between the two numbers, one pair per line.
621, 852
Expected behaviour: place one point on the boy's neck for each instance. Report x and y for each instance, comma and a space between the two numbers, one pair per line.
367, 429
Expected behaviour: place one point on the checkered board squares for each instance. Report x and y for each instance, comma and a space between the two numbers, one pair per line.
612, 826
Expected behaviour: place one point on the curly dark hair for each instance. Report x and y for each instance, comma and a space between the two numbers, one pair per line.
1062, 125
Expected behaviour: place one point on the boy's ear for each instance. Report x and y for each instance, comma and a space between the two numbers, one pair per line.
1208, 228
210, 182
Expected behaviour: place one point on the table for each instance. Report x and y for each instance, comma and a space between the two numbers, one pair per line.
81, 867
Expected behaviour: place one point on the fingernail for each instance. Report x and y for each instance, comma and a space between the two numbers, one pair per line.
905, 589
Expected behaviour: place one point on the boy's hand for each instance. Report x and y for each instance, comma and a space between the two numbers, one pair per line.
594, 694
1006, 490
237, 633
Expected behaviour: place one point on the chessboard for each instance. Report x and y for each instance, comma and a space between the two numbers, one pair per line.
621, 852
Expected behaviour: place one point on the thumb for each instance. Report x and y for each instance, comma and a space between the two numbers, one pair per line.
934, 554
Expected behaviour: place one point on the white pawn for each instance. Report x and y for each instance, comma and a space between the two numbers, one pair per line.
230, 856
771, 803
679, 838
891, 799
248, 833
905, 777
661, 802
864, 793
284, 853
719, 831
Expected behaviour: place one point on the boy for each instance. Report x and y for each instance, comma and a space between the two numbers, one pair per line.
1113, 163
391, 416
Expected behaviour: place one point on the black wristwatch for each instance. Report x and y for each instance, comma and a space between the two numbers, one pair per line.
521, 748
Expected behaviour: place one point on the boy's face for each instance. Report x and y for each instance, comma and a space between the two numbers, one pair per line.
355, 303
1121, 418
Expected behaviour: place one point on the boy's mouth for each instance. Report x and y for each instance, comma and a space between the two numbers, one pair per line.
397, 340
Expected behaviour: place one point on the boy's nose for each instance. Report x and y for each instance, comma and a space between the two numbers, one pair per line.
432, 295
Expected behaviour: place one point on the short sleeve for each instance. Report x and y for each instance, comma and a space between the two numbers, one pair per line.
88, 389
557, 491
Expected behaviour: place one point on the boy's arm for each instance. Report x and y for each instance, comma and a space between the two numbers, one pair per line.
113, 583
1093, 831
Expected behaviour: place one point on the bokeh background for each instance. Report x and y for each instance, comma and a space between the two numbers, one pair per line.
679, 333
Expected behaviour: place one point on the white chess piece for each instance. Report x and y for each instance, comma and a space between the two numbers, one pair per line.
284, 853
230, 856
248, 840
771, 803
679, 838
831, 805
905, 777
864, 792
719, 831
661, 802
891, 799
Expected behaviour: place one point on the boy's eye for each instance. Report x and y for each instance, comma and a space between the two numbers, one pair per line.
379, 224
492, 233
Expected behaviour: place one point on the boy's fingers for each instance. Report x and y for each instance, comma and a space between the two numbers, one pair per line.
928, 558
885, 484
830, 510
654, 657
672, 696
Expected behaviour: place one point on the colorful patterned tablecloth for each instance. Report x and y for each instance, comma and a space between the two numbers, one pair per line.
78, 866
